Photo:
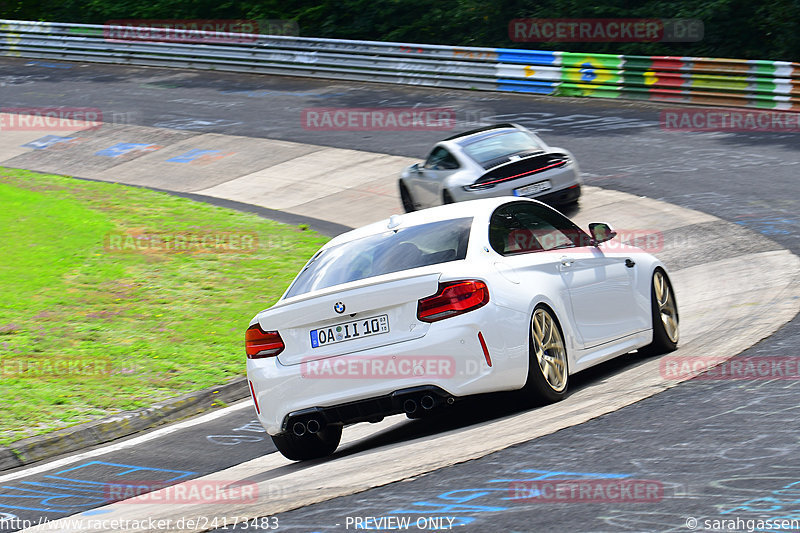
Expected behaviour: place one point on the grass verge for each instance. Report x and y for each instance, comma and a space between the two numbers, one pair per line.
113, 298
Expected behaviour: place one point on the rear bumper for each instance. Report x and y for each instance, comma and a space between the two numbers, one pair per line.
341, 391
564, 196
414, 401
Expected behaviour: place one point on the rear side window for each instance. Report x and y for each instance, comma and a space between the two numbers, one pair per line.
526, 227
441, 159
385, 253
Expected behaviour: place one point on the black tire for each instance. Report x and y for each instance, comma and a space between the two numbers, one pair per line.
446, 198
538, 387
663, 341
571, 203
405, 197
310, 445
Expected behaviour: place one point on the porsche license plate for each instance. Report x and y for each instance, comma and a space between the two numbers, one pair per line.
347, 331
533, 188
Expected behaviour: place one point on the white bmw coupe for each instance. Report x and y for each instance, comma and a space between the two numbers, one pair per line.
412, 313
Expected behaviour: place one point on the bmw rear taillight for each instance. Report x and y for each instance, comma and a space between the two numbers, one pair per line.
259, 343
453, 298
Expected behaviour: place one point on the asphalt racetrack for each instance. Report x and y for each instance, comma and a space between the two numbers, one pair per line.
717, 451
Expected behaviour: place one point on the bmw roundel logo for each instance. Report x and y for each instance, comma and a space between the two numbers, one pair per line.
338, 307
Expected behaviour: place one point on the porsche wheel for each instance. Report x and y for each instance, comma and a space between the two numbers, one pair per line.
548, 369
405, 197
665, 316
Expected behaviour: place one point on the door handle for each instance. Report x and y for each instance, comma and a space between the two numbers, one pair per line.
629, 263
567, 261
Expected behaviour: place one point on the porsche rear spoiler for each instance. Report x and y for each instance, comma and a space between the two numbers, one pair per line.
519, 168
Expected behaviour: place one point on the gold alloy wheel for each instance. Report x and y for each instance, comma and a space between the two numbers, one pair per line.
666, 306
549, 347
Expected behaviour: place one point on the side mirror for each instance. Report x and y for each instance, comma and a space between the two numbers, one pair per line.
601, 232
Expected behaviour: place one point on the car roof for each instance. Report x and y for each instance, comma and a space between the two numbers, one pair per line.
469, 209
506, 125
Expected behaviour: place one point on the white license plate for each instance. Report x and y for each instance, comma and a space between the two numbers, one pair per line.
347, 331
533, 188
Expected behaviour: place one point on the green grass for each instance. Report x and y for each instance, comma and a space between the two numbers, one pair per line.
129, 328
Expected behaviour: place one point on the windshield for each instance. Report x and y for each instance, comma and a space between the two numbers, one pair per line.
502, 145
391, 251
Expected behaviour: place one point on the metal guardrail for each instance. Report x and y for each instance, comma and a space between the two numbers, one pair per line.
681, 80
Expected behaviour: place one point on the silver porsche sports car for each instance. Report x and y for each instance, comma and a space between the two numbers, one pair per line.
499, 160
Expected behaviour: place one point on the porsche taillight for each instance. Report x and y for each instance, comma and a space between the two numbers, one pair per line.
259, 343
453, 298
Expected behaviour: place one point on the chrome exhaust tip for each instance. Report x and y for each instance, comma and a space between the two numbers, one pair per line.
299, 429
313, 426
409, 406
427, 402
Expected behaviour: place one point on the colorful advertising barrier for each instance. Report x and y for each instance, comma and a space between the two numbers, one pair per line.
226, 45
